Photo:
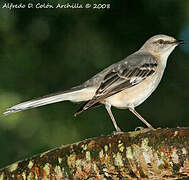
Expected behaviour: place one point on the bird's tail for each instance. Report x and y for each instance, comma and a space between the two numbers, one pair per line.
76, 94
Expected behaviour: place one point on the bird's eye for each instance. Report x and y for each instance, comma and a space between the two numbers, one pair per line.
161, 41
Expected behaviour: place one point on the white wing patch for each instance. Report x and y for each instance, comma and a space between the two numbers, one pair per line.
135, 80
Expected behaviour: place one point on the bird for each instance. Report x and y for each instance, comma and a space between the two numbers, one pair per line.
125, 84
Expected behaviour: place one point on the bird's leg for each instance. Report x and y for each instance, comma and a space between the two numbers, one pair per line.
140, 117
108, 108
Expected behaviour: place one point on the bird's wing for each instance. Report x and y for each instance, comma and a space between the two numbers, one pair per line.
123, 75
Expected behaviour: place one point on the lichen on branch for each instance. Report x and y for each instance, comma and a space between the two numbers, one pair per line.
145, 154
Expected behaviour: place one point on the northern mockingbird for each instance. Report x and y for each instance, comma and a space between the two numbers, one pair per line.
125, 84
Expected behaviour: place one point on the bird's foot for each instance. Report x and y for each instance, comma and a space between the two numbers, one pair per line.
118, 131
142, 128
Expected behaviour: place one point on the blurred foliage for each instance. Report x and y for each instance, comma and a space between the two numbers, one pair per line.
48, 50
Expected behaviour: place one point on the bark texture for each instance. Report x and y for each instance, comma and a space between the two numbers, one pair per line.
146, 154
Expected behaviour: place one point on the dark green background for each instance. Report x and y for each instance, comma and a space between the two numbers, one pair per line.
48, 50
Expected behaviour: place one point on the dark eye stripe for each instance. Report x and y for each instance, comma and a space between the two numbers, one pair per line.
161, 41
168, 42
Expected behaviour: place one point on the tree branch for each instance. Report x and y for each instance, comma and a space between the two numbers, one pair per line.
145, 154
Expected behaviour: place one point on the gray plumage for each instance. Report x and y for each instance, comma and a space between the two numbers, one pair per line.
104, 82
125, 84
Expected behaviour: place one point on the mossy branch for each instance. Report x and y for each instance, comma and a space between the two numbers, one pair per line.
145, 154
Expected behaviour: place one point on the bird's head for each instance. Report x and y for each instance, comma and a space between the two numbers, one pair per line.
161, 45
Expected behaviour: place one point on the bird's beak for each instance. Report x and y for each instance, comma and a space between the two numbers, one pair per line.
178, 42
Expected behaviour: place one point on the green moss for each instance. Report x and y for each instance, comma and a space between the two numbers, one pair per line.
66, 168
94, 153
